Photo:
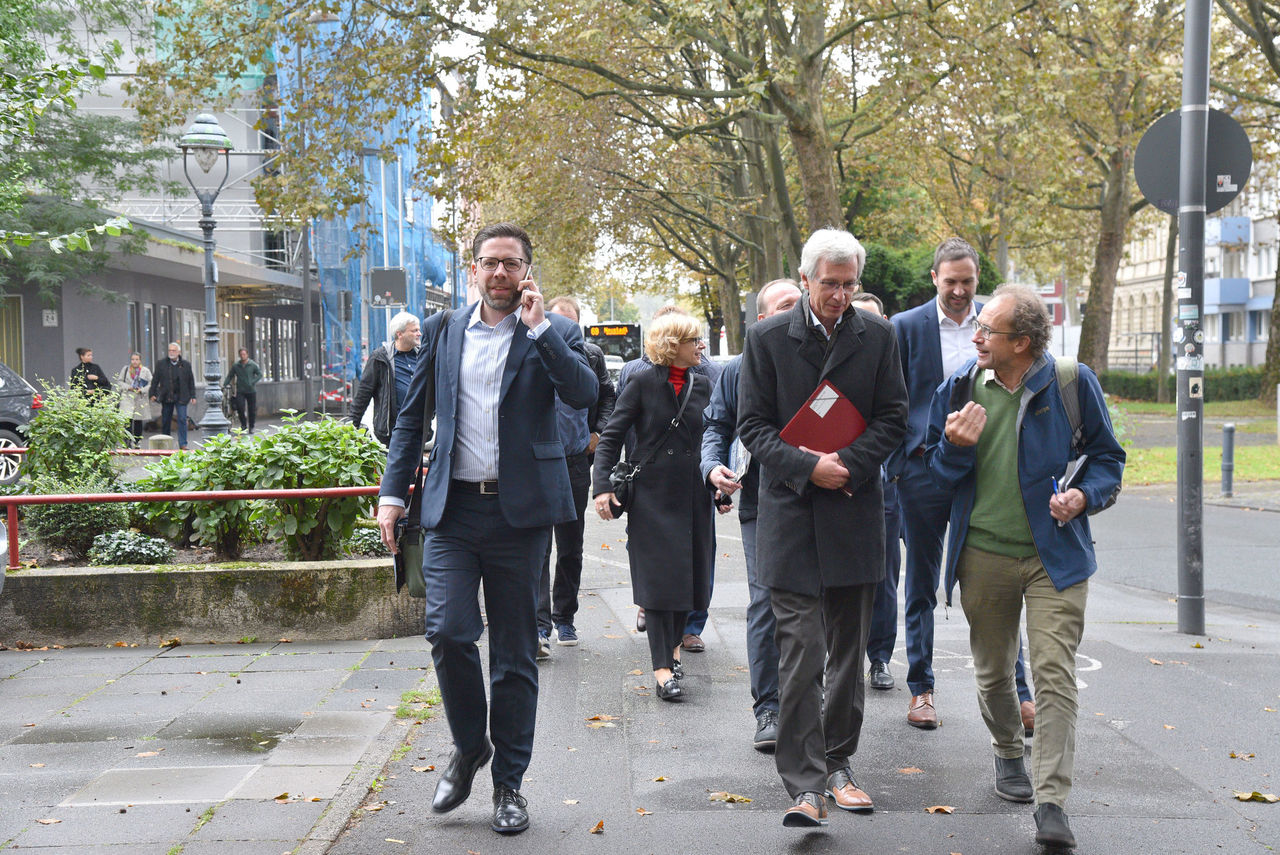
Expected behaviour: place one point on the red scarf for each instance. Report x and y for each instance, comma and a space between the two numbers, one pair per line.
676, 376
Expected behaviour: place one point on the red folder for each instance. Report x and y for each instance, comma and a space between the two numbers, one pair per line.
827, 422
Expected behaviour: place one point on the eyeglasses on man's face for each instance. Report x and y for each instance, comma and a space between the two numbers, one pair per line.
985, 332
511, 265
836, 285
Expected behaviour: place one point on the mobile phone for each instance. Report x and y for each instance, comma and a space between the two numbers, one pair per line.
724, 501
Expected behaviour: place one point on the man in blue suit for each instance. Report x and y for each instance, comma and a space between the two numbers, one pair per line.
934, 340
496, 484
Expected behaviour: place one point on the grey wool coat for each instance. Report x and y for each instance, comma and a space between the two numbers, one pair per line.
809, 539
669, 527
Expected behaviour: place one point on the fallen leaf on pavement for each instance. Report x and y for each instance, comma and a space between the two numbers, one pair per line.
1198, 646
1246, 796
635, 673
1264, 709
1170, 727
643, 812
603, 717
611, 636
41, 765
660, 778
941, 809
48, 821
910, 770
1236, 755
601, 724
598, 828
147, 754
393, 840
604, 546
1154, 661
729, 798
373, 808
423, 768
571, 801
282, 798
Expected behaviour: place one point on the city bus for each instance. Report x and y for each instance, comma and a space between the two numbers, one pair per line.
616, 339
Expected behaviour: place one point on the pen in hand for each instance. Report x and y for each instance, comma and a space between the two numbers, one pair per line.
1053, 479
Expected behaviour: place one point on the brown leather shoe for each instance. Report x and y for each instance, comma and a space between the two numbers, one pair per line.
1029, 717
692, 643
846, 794
810, 810
921, 712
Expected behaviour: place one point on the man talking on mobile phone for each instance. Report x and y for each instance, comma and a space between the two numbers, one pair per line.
496, 484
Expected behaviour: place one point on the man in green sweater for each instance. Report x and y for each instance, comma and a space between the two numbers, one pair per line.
246, 374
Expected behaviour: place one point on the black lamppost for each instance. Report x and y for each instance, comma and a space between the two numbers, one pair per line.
205, 140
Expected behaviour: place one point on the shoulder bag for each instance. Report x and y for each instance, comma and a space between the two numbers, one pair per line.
623, 475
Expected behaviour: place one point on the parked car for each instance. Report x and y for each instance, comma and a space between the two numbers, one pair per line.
19, 403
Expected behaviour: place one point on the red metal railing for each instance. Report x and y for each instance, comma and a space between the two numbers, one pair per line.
123, 452
12, 503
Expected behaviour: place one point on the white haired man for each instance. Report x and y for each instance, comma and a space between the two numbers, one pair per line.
386, 376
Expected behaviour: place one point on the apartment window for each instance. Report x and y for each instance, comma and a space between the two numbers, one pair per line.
147, 342
1235, 326
132, 331
1212, 328
1261, 325
1233, 264
191, 339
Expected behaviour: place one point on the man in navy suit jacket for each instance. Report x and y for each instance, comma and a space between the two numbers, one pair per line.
934, 340
497, 481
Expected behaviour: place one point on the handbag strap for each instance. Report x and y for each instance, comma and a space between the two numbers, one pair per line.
428, 412
675, 421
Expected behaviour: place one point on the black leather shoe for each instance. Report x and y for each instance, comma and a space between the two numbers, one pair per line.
1013, 784
510, 811
1052, 828
677, 670
766, 738
454, 785
880, 678
670, 690
640, 622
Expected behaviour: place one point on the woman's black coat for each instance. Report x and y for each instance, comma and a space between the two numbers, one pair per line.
669, 528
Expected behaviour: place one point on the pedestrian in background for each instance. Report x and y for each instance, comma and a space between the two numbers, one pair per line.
670, 538
820, 536
1002, 432
580, 430
88, 375
385, 379
720, 447
175, 388
133, 382
245, 374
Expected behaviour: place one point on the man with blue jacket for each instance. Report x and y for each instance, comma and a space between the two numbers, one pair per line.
1000, 428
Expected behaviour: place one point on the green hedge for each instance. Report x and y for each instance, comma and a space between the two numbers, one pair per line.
1220, 384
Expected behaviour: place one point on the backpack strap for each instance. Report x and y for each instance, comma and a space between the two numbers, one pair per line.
1068, 373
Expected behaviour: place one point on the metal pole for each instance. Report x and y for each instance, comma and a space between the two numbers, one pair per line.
1191, 212
213, 422
1228, 458
308, 358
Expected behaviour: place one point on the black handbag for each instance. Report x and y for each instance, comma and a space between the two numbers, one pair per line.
410, 536
623, 475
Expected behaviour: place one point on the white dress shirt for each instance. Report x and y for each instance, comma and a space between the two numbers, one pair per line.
956, 339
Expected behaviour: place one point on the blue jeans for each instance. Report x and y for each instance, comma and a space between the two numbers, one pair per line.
762, 648
166, 415
697, 621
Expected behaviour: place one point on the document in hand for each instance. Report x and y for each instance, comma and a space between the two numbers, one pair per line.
827, 422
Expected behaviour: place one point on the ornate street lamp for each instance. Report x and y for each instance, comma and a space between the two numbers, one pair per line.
205, 140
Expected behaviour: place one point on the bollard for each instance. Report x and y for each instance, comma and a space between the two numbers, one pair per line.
1228, 457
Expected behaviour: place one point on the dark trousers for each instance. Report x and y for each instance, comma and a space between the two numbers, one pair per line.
821, 642
135, 430
762, 649
474, 545
166, 419
242, 401
558, 606
698, 619
884, 614
664, 630
924, 511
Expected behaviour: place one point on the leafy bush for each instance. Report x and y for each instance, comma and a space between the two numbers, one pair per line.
220, 463
1220, 384
72, 437
129, 547
72, 528
366, 541
321, 453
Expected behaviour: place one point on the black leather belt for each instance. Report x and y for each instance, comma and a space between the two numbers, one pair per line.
484, 488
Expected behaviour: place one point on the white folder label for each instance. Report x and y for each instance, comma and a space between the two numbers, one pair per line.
824, 401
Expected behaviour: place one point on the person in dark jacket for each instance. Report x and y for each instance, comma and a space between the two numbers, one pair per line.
88, 375
386, 376
719, 448
174, 387
245, 373
579, 432
820, 531
669, 522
